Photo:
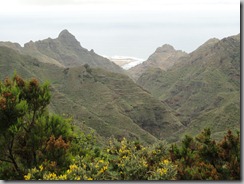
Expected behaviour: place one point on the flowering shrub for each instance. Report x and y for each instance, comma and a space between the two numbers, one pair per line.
36, 145
120, 160
133, 161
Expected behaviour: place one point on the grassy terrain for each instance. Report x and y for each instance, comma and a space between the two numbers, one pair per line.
111, 104
204, 89
63, 51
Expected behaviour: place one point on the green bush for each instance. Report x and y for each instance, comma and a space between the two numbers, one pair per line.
37, 145
204, 159
27, 128
120, 160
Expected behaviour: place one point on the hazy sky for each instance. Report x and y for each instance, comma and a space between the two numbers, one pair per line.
121, 27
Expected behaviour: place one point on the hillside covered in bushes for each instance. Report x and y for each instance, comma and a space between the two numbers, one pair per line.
37, 144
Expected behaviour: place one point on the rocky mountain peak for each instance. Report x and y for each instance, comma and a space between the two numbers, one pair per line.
165, 48
66, 37
65, 33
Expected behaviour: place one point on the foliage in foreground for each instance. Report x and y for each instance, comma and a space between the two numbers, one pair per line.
120, 160
204, 159
29, 134
36, 145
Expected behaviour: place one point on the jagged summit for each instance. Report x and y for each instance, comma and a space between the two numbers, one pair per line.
66, 37
64, 51
65, 33
67, 51
165, 48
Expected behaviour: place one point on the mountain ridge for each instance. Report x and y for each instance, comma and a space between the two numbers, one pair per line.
64, 51
199, 89
196, 86
110, 103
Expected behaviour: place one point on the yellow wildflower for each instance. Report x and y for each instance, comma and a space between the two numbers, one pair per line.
50, 176
124, 157
41, 167
101, 161
73, 167
62, 177
162, 171
77, 178
165, 170
27, 177
166, 162
89, 178
104, 168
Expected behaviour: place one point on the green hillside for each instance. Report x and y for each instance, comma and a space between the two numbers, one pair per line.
201, 89
110, 103
63, 51
164, 58
204, 88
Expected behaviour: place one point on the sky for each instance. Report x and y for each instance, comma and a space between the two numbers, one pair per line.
121, 27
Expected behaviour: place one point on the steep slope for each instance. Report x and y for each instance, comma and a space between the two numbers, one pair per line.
204, 89
110, 103
164, 58
64, 51
118, 102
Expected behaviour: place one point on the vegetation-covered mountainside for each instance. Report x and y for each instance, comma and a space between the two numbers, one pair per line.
92, 122
164, 58
204, 88
38, 145
64, 51
110, 103
188, 91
